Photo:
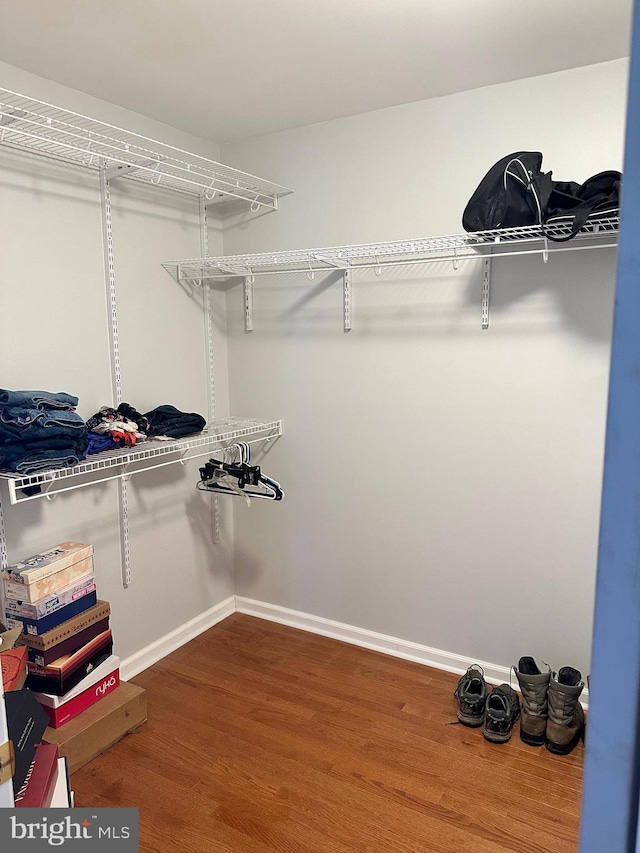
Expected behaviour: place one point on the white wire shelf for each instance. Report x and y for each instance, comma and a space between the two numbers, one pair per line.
598, 233
123, 462
60, 134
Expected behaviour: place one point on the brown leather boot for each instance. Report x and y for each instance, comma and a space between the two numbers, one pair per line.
565, 726
534, 686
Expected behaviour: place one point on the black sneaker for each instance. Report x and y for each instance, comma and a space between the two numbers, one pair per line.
502, 709
471, 694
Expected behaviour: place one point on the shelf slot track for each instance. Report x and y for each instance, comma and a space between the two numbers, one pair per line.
346, 299
248, 304
486, 291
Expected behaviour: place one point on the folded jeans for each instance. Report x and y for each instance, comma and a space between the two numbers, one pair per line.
74, 430
38, 399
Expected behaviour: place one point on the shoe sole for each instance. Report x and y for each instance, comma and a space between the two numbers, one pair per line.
470, 722
563, 748
531, 740
497, 738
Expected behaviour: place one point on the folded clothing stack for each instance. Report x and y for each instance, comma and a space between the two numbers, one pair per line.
120, 427
39, 430
167, 420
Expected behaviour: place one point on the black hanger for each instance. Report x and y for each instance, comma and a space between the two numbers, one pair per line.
238, 479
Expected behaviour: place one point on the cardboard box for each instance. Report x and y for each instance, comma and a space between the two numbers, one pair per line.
70, 628
36, 627
100, 726
63, 674
49, 585
45, 606
63, 714
13, 665
50, 562
101, 672
69, 646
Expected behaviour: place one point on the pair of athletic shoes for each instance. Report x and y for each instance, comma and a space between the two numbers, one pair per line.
495, 710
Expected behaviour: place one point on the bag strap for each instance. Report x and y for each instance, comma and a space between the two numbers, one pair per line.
580, 216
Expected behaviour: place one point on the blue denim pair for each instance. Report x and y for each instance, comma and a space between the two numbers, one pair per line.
38, 399
37, 455
43, 460
20, 422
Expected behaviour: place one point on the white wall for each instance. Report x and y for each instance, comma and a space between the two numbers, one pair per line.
55, 336
442, 482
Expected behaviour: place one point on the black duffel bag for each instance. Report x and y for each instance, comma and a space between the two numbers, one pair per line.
574, 204
515, 192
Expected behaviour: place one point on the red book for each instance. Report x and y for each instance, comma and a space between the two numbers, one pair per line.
37, 789
63, 713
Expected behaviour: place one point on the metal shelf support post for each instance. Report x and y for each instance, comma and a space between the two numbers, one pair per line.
4, 562
248, 304
346, 299
114, 354
208, 332
4, 558
486, 291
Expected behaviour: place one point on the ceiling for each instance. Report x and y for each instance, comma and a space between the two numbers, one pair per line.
231, 69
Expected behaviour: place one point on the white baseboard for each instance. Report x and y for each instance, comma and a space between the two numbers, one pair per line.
405, 649
174, 639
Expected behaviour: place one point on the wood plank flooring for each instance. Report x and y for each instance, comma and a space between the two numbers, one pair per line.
264, 738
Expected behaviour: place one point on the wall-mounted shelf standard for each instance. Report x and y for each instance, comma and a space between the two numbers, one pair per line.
60, 134
113, 464
485, 245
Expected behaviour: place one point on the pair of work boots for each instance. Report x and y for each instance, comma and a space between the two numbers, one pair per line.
551, 712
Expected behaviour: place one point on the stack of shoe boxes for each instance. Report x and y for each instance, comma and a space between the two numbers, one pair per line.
52, 598
71, 669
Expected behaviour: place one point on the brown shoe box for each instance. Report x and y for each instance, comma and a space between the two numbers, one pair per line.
100, 726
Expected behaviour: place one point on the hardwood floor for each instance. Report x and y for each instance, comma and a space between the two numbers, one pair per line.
264, 738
